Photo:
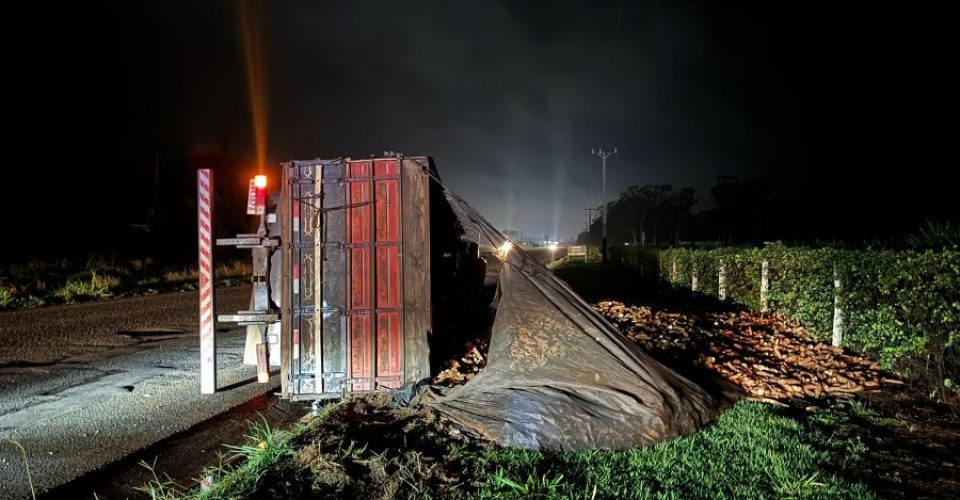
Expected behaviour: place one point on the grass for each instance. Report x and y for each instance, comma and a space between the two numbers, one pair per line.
159, 488
265, 447
360, 450
39, 283
751, 451
264, 450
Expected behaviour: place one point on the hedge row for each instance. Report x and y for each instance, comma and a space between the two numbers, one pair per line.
902, 306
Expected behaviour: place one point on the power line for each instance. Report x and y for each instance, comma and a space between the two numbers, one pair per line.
616, 36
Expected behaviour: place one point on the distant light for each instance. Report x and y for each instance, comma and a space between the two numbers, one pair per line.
553, 247
260, 181
503, 250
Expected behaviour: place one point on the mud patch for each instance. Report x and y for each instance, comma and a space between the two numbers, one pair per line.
28, 366
364, 448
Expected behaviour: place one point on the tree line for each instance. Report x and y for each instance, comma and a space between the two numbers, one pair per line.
659, 214
753, 211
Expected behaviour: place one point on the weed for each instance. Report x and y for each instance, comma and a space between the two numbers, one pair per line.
789, 488
160, 489
234, 268
543, 486
141, 265
264, 449
828, 417
856, 449
26, 464
185, 274
862, 410
30, 301
96, 287
7, 295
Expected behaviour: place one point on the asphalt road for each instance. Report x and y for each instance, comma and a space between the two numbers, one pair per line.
82, 386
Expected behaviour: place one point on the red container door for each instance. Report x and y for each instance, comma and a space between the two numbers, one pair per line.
375, 331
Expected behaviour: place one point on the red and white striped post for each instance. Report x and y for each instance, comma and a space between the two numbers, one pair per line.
208, 339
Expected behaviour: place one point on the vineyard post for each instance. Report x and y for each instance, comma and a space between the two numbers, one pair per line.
837, 311
764, 285
722, 281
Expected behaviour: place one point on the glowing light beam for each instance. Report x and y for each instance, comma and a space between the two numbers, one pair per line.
256, 80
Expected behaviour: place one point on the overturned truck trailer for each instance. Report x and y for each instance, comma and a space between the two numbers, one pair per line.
355, 293
382, 279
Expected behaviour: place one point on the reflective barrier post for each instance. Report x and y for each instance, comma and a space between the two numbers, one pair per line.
208, 339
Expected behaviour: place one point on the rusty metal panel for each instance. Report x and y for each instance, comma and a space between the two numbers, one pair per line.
376, 346
388, 209
415, 263
361, 351
388, 277
360, 225
389, 349
344, 276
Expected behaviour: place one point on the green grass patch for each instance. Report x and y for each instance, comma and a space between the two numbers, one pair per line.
359, 450
751, 451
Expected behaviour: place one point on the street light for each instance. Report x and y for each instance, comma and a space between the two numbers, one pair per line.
603, 156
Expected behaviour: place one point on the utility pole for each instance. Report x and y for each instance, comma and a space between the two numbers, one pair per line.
590, 211
603, 156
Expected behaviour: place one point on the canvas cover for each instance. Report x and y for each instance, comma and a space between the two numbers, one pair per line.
558, 375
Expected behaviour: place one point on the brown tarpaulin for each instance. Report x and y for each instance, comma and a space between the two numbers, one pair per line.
558, 375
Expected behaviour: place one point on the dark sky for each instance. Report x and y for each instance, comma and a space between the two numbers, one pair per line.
852, 104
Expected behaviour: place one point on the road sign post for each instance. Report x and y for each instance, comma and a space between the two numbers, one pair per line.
577, 250
208, 340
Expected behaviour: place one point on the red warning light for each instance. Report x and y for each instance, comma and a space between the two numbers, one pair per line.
257, 196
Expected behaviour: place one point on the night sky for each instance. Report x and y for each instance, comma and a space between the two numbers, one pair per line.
850, 105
